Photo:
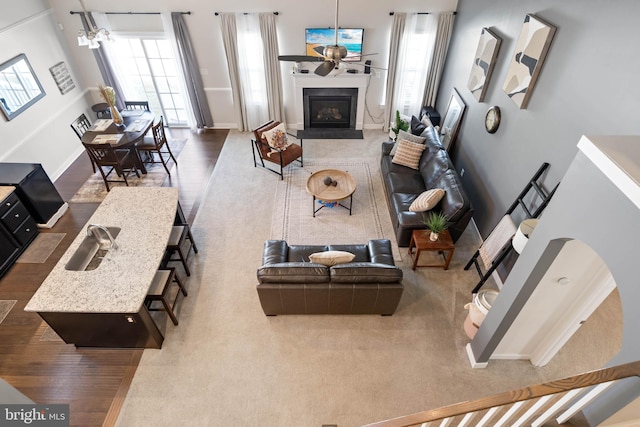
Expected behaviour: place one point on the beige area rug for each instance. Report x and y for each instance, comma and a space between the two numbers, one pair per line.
5, 307
293, 219
94, 190
41, 248
233, 366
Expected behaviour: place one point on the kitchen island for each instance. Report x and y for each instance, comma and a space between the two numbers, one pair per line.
105, 307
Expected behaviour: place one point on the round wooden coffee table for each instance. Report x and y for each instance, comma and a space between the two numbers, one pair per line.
327, 194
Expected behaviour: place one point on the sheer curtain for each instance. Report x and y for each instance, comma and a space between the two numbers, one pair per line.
273, 76
251, 47
413, 63
397, 30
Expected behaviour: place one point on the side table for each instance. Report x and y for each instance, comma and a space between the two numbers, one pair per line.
421, 242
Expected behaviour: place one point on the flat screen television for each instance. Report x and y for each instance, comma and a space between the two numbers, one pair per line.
351, 38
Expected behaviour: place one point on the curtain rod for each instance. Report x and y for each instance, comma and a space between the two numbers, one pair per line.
246, 13
421, 13
127, 13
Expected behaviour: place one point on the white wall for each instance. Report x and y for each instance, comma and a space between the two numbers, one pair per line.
42, 133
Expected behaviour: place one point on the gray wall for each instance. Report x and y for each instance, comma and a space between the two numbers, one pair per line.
587, 86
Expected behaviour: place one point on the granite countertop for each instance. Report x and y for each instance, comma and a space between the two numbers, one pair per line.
5, 190
121, 281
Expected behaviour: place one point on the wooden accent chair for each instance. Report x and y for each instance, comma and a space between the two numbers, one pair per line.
104, 155
80, 126
262, 151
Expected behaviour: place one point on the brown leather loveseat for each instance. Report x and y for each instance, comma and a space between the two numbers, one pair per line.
288, 283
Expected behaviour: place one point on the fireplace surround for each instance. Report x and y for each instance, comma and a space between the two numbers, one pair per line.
341, 82
330, 108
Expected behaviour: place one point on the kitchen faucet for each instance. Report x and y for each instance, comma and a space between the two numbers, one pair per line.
96, 230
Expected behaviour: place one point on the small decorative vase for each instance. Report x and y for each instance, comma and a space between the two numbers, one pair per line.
115, 115
433, 236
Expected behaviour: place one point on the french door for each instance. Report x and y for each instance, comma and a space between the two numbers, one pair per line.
147, 70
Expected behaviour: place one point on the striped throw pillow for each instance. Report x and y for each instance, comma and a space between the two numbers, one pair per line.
408, 154
427, 200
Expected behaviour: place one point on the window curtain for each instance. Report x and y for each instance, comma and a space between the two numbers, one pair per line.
230, 42
102, 59
272, 73
190, 72
251, 46
443, 36
397, 29
414, 57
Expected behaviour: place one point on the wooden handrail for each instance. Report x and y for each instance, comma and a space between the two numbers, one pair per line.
527, 393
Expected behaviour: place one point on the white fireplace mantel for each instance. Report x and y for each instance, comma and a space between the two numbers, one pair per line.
344, 80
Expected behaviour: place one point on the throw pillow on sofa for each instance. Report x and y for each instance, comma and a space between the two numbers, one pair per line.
407, 137
408, 154
427, 200
330, 258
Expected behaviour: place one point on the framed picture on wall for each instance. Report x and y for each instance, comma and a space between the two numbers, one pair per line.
531, 49
452, 119
483, 63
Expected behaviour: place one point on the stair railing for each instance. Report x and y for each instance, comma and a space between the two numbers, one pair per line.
534, 406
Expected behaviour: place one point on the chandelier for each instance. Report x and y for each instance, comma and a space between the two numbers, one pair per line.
92, 37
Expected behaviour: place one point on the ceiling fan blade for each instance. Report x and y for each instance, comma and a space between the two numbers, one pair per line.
325, 68
300, 58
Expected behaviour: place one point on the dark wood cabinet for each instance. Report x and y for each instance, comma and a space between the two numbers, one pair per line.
17, 230
36, 191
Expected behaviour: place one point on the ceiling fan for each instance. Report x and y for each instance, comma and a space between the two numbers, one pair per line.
331, 57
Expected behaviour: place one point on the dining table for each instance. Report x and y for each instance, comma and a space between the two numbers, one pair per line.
136, 124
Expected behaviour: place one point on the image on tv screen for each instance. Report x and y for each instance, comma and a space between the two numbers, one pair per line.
317, 38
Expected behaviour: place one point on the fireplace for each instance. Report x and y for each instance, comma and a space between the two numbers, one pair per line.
330, 108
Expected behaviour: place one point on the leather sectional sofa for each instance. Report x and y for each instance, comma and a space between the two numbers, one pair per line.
288, 283
403, 185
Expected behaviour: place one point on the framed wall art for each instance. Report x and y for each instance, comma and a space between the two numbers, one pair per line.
19, 88
531, 49
61, 75
483, 63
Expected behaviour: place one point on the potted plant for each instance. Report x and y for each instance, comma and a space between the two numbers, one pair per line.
399, 125
436, 222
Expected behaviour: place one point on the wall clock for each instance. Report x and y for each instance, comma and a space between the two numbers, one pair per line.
492, 119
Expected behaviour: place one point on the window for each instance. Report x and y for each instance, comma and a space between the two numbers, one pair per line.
147, 70
413, 62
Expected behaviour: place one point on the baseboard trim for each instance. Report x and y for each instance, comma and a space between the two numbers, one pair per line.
472, 359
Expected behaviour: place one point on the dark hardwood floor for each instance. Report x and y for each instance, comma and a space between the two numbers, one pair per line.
94, 382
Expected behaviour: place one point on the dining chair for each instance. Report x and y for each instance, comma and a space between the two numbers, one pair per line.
160, 290
80, 126
136, 105
105, 156
156, 143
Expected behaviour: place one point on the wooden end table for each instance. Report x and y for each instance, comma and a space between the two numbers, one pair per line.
421, 242
344, 188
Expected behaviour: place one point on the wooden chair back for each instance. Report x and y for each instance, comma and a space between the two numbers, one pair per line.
159, 137
80, 125
136, 105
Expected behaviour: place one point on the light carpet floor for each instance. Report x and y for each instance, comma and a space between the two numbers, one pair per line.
227, 364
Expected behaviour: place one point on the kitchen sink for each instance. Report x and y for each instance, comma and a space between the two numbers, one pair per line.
91, 252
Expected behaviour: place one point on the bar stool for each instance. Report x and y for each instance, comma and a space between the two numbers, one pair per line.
180, 234
160, 290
